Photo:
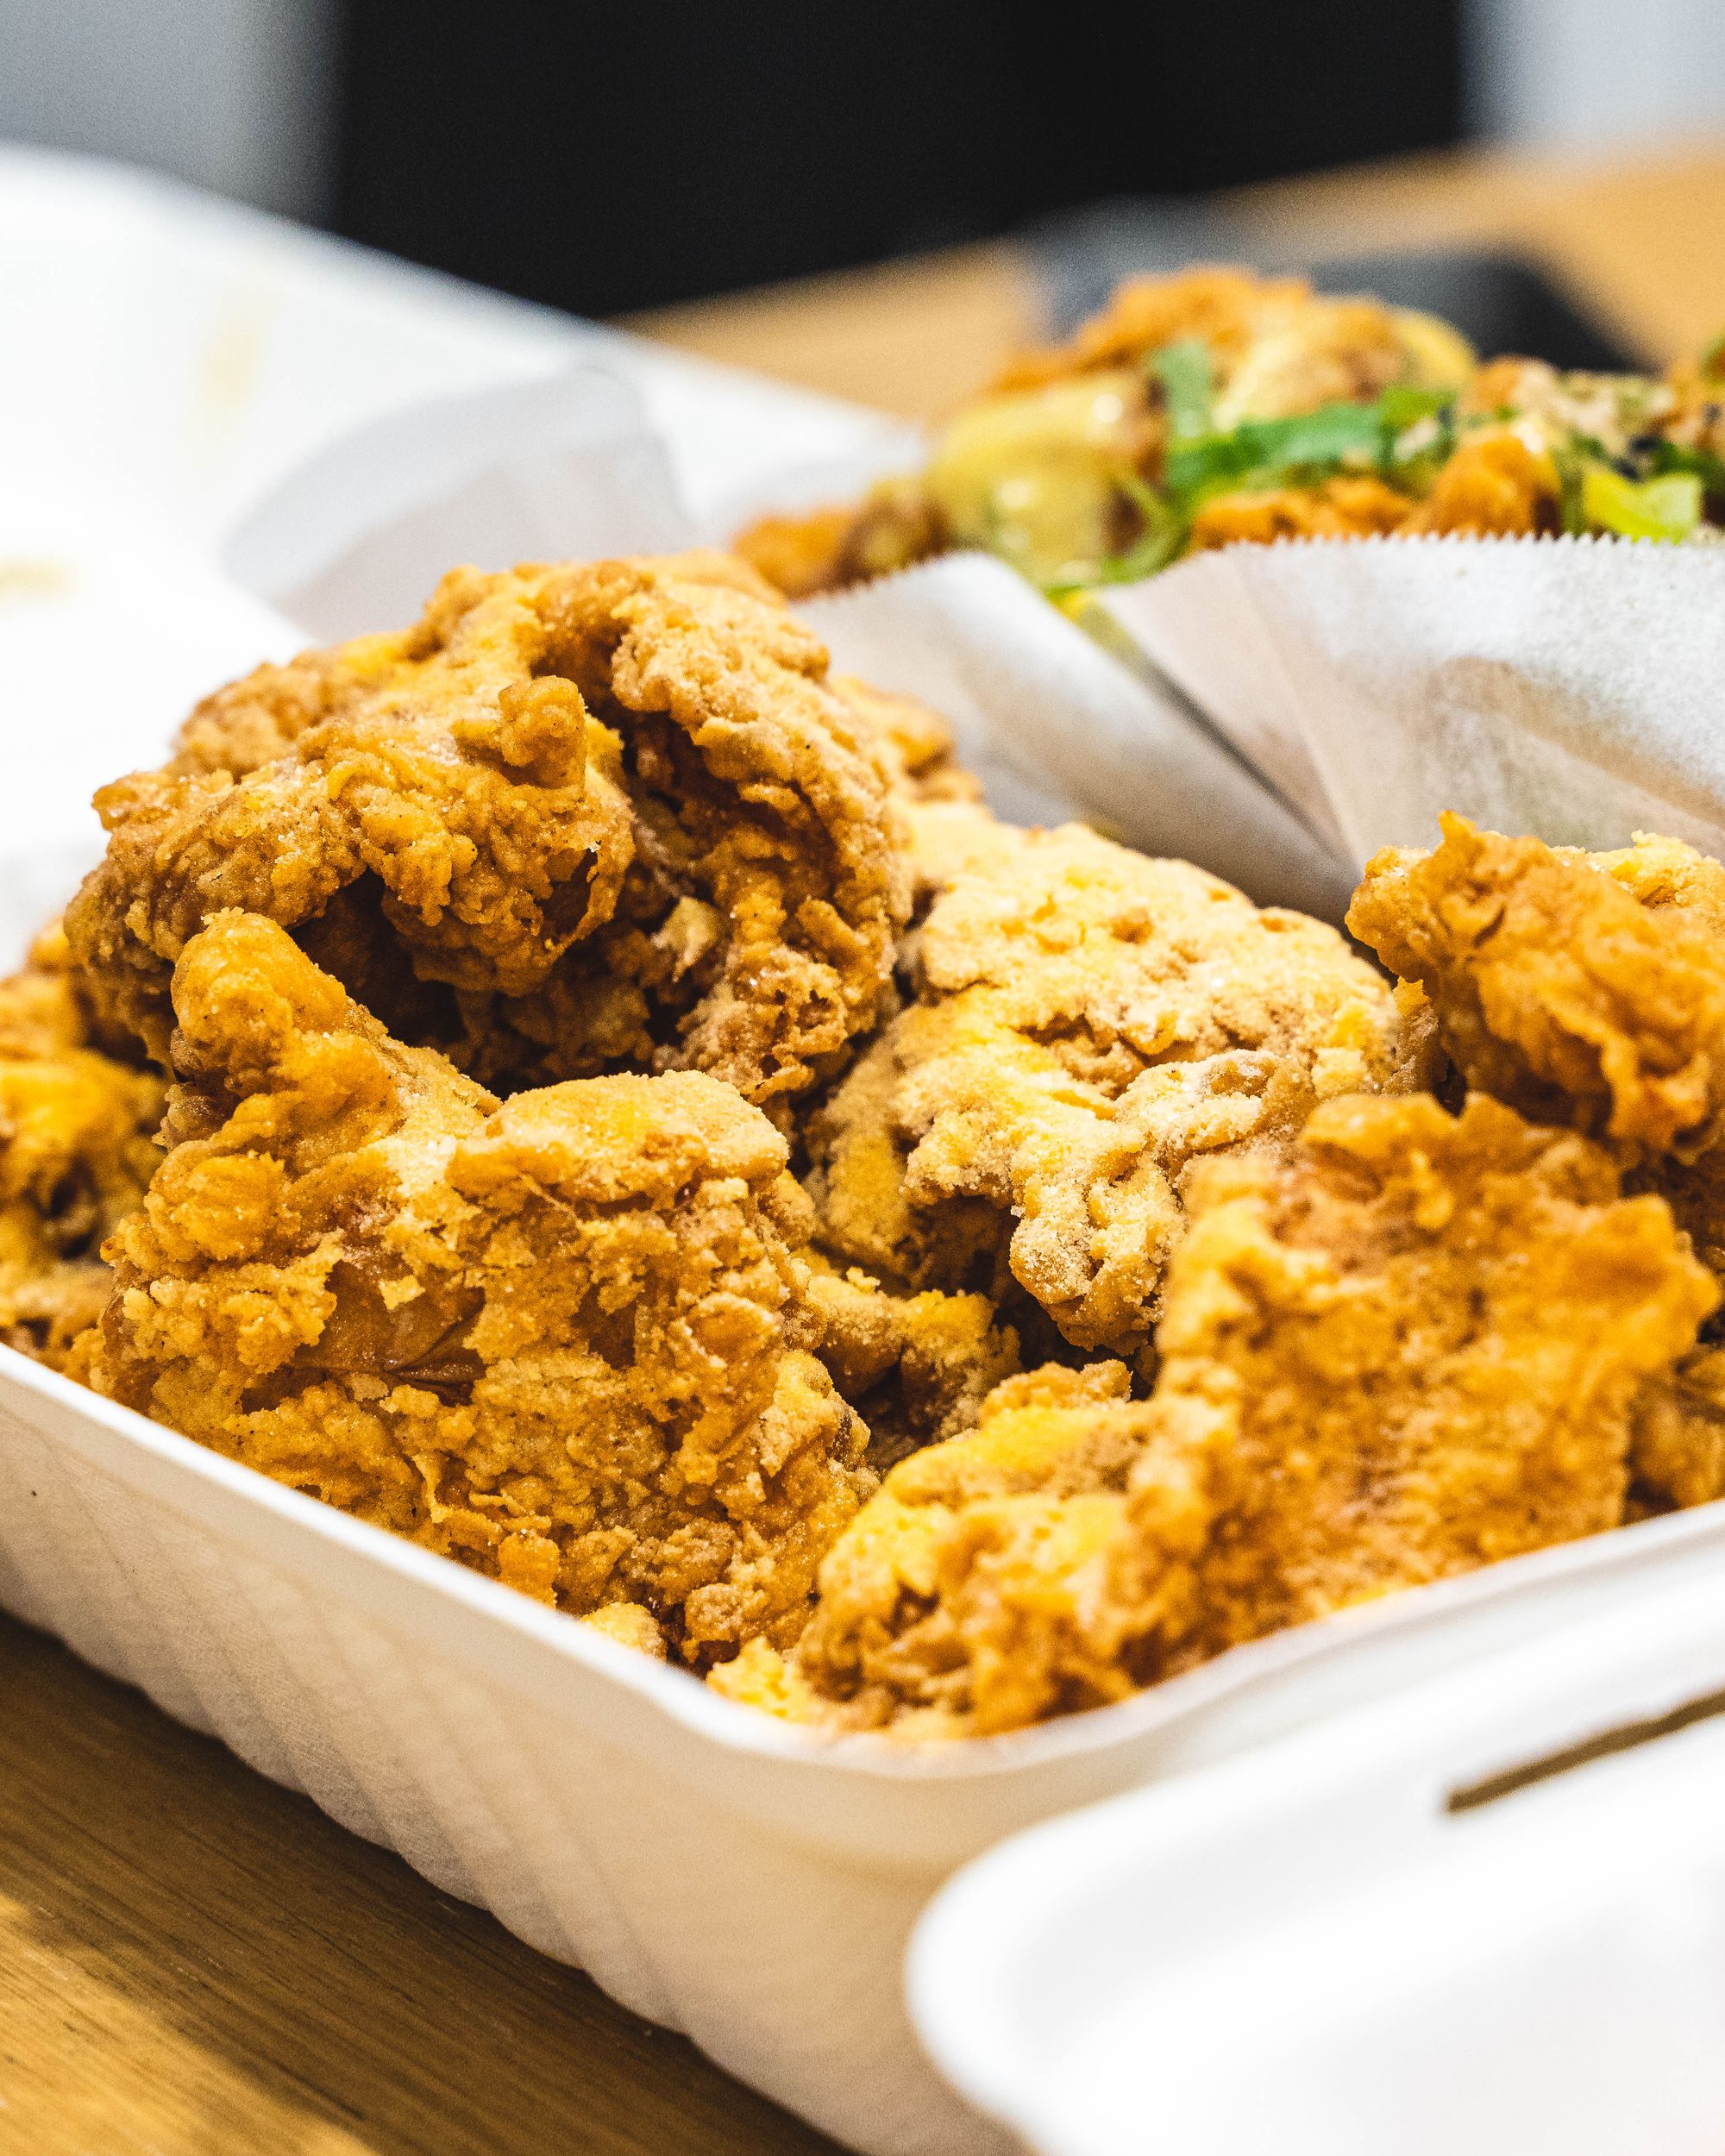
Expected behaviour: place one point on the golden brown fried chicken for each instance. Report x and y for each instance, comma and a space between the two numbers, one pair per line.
1414, 1346
972, 1593
1588, 989
1088, 1022
563, 1341
1556, 987
604, 815
916, 1367
76, 1156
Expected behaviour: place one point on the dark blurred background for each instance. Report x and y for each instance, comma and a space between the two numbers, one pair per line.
607, 159
610, 157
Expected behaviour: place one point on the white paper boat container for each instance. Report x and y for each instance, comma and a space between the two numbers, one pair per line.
1485, 1919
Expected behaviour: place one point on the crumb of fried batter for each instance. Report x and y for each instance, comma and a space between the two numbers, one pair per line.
563, 1341
76, 1156
580, 818
1087, 1022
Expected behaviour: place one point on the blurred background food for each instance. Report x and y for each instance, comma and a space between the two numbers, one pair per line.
604, 159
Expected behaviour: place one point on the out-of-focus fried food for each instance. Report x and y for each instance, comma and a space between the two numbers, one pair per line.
1556, 987
76, 1156
1088, 1022
1412, 1346
563, 1341
1494, 486
1347, 508
895, 526
616, 809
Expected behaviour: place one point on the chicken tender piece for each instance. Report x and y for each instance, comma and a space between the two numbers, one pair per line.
76, 1156
614, 814
1089, 1021
561, 1341
1556, 988
1414, 1346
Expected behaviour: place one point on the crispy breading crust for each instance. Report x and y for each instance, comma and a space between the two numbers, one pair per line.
563, 1341
76, 1155
1417, 1345
616, 808
1088, 1022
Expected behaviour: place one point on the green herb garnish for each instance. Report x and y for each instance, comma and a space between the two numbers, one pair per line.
1188, 386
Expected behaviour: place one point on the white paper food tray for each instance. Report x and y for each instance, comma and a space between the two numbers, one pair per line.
1485, 1919
749, 1884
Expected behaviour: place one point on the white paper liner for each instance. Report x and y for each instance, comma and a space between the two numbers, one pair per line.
1057, 727
1571, 689
565, 468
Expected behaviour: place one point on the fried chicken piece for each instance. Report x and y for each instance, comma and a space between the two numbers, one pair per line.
1343, 508
917, 1368
453, 765
802, 556
894, 526
1556, 988
76, 1156
563, 1341
1414, 1346
616, 808
1088, 1022
1493, 485
972, 1595
1587, 989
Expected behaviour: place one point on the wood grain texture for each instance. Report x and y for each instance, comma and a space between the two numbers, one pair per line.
195, 1963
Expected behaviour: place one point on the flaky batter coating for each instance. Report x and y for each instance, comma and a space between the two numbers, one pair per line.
1583, 992
917, 1368
615, 809
1087, 1021
1415, 1344
76, 1156
973, 1594
561, 1341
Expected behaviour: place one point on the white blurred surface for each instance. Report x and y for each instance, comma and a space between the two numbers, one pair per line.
1595, 72
234, 95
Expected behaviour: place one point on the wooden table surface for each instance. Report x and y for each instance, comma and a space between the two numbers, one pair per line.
193, 1963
